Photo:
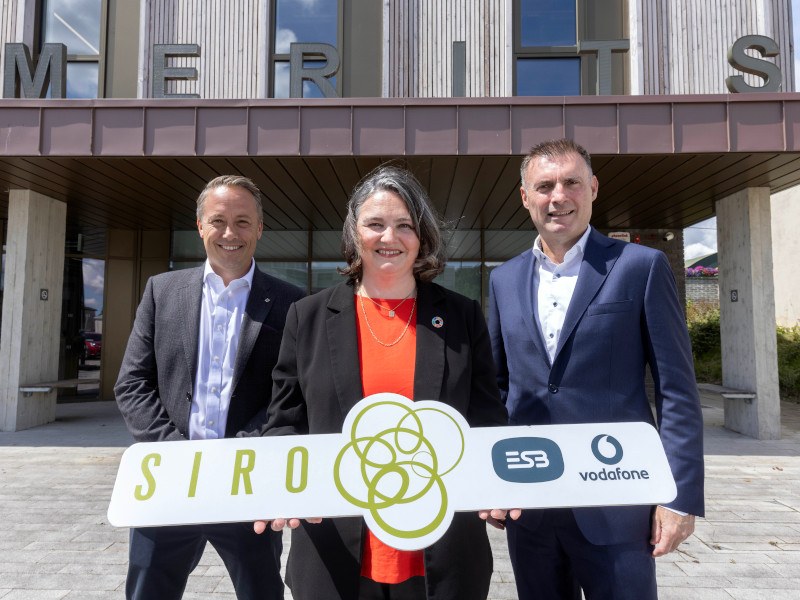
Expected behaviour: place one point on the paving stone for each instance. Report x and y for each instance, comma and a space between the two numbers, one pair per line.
743, 557
55, 541
728, 570
788, 569
36, 594
203, 585
766, 583
694, 594
669, 581
83, 595
758, 594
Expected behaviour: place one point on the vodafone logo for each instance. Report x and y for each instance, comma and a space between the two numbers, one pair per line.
607, 449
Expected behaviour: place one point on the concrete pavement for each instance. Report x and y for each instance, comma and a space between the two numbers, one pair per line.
55, 543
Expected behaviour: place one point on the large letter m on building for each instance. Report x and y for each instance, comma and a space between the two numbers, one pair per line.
51, 68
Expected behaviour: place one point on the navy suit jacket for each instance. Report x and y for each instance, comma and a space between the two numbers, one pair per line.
624, 315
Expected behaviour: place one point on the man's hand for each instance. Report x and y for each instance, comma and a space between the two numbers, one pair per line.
497, 516
278, 524
669, 530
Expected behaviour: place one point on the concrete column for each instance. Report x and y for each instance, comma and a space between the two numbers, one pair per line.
785, 250
34, 276
747, 313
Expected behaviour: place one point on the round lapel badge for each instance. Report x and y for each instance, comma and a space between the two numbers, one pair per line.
437, 322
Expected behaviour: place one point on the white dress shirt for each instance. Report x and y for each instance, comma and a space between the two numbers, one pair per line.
221, 315
554, 285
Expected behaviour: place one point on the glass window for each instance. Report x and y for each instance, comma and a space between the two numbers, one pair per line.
295, 273
463, 277
304, 21
547, 23
75, 23
187, 244
548, 77
325, 275
82, 79
82, 325
280, 86
546, 61
79, 25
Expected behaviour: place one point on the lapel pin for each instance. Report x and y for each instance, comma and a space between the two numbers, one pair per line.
266, 299
437, 322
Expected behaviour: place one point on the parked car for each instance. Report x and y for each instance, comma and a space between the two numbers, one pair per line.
92, 345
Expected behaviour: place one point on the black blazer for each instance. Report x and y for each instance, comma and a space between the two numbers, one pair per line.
316, 382
156, 380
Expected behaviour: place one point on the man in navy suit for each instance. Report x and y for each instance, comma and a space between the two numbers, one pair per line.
198, 366
574, 323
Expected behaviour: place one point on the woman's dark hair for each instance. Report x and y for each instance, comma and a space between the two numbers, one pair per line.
428, 226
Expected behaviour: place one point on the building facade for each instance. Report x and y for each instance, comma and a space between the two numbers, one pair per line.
306, 96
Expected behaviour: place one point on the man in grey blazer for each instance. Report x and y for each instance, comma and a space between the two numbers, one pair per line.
198, 366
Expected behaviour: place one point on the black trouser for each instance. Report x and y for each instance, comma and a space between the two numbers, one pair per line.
410, 589
555, 562
161, 559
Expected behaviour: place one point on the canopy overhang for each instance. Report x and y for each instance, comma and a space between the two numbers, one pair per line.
662, 161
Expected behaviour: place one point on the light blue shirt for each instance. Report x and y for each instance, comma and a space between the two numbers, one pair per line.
221, 315
554, 285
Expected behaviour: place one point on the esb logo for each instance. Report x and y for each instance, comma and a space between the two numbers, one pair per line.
527, 460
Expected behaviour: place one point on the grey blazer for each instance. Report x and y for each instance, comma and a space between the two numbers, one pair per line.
155, 383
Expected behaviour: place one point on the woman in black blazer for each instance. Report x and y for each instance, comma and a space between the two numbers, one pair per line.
393, 247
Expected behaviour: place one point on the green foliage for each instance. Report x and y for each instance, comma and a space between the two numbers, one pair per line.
789, 362
703, 322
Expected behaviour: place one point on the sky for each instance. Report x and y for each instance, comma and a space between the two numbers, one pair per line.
701, 239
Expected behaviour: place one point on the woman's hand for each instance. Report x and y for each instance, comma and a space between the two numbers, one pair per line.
497, 516
278, 524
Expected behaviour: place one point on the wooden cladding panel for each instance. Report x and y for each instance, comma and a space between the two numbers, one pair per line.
8, 21
685, 43
227, 32
420, 46
8, 25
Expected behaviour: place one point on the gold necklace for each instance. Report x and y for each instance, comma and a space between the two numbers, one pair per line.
372, 333
392, 311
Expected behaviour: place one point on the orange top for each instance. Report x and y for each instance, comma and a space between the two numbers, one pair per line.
387, 369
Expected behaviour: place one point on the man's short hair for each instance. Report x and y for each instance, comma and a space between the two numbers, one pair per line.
552, 149
231, 181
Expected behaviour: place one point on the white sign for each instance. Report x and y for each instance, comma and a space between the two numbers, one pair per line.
620, 235
404, 466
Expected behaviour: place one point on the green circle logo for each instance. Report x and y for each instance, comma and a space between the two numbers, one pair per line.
395, 459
